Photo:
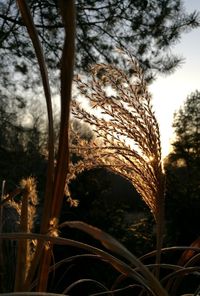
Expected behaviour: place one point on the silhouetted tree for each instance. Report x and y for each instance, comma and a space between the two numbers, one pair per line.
183, 169
147, 28
22, 142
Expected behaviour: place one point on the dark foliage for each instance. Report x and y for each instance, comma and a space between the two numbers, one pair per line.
183, 170
147, 28
21, 146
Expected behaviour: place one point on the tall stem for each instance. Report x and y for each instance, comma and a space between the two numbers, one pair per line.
67, 9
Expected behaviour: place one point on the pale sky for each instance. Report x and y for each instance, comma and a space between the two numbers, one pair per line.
169, 92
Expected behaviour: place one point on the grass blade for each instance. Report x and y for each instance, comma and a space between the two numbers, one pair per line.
153, 286
113, 245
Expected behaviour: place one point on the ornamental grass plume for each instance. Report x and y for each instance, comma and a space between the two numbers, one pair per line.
9, 222
26, 248
127, 138
18, 216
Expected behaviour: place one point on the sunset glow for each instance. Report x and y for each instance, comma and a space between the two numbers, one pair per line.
169, 92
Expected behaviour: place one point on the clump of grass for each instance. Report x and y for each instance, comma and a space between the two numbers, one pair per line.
128, 144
